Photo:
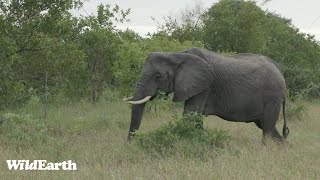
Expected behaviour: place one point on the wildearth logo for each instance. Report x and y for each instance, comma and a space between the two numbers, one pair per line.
40, 165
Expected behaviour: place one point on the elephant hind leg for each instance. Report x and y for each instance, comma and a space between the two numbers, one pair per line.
269, 120
273, 133
258, 124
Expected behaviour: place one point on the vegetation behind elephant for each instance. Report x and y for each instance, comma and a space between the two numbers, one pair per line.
241, 88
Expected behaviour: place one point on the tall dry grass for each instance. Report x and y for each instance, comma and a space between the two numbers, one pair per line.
94, 136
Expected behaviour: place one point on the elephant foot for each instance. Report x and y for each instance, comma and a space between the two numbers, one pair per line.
130, 137
276, 139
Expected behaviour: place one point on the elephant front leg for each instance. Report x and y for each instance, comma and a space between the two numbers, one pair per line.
196, 104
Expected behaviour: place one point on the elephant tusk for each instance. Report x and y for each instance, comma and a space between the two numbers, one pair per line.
127, 98
140, 101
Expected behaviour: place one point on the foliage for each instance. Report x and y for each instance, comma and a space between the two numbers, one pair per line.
45, 51
311, 92
128, 66
183, 136
98, 46
35, 43
99, 42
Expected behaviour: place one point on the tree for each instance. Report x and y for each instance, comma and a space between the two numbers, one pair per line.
30, 31
235, 26
187, 27
100, 42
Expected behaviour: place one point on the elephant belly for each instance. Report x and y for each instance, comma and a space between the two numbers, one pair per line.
239, 109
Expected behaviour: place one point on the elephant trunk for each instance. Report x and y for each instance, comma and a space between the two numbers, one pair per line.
136, 116
137, 110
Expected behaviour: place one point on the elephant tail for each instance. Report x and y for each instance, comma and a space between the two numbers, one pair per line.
285, 130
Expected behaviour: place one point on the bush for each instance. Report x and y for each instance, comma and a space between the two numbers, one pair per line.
160, 103
183, 137
295, 110
311, 92
302, 82
23, 130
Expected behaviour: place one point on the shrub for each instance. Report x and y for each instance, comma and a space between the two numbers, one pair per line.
161, 102
23, 130
183, 137
301, 82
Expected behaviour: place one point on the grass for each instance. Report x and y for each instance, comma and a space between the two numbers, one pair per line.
94, 136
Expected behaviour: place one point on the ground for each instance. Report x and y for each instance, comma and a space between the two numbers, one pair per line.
94, 136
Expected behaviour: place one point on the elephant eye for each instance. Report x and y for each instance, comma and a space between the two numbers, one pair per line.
157, 76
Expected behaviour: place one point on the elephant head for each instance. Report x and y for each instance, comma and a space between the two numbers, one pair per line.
181, 73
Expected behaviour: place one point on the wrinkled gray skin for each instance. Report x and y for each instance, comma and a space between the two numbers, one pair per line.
240, 88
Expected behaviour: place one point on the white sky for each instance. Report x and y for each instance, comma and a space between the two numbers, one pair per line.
302, 12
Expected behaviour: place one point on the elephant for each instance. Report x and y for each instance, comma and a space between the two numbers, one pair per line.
240, 88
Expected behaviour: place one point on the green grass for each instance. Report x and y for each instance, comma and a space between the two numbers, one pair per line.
94, 136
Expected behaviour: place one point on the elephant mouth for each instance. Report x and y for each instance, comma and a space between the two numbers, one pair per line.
143, 99
128, 99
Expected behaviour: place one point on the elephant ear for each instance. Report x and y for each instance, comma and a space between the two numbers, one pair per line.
193, 75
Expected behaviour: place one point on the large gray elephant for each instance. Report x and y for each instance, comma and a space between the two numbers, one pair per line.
241, 88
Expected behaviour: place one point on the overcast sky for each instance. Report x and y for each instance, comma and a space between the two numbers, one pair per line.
303, 13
